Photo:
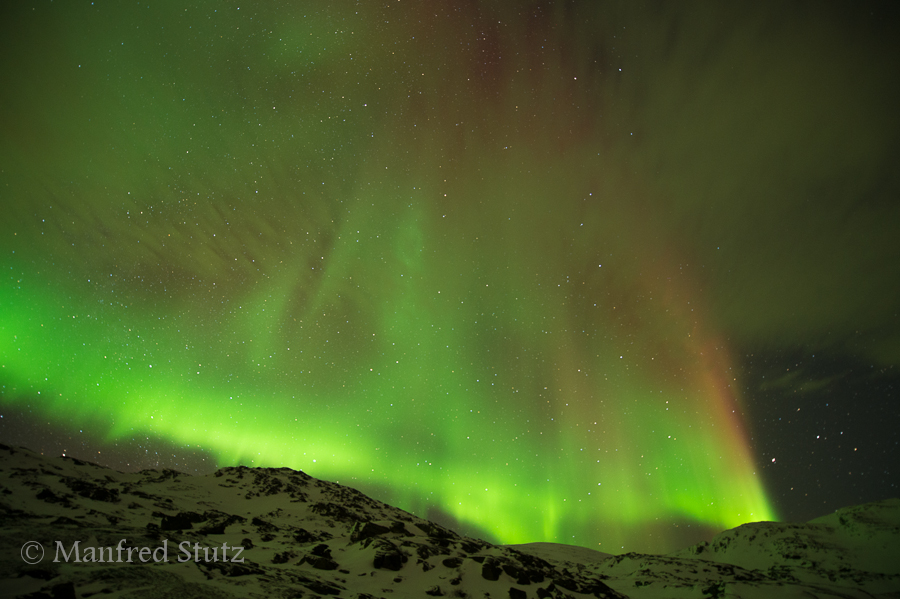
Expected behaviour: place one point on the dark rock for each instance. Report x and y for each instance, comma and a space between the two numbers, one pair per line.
471, 546
304, 536
511, 571
322, 550
570, 584
452, 562
268, 485
334, 511
531, 562
50, 497
715, 590
361, 531
40, 573
92, 490
490, 570
64, 590
235, 471
130, 489
598, 589
181, 521
426, 551
232, 569
398, 527
588, 587
7, 513
263, 526
296, 495
158, 476
247, 544
435, 591
320, 563
435, 530
515, 593
323, 588
438, 542
388, 556
218, 524
298, 477
283, 557
535, 576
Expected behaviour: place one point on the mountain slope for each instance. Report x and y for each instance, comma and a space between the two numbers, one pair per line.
255, 532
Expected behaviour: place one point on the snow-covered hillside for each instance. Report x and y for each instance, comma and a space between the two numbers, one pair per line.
256, 532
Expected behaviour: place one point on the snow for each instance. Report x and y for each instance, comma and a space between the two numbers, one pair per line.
302, 537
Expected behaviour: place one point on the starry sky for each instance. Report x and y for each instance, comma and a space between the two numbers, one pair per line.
619, 275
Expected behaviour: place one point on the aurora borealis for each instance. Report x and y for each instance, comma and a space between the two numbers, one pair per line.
522, 267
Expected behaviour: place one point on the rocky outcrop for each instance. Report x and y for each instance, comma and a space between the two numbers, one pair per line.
275, 532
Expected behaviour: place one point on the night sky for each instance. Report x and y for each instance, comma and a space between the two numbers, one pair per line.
619, 275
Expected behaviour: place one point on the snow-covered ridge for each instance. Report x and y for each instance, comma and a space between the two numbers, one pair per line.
257, 532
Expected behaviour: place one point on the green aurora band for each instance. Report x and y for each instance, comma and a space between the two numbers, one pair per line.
414, 252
